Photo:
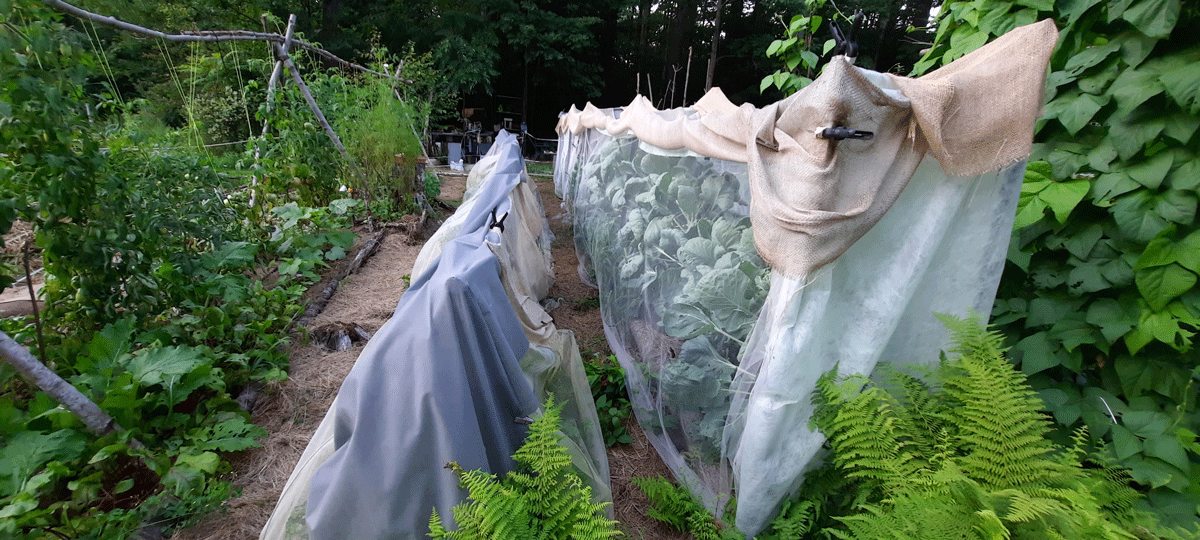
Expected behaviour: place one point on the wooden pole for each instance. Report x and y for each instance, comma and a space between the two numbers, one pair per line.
274, 80
96, 420
26, 250
312, 103
687, 76
271, 84
716, 38
209, 36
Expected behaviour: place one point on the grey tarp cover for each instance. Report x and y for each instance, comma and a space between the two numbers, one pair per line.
441, 382
552, 363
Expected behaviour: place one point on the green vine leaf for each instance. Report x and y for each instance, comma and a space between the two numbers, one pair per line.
1112, 318
1161, 284
1062, 197
1089, 57
1039, 353
1075, 109
1133, 87
1168, 449
1161, 326
1181, 78
1165, 250
1135, 217
1187, 175
1040, 5
1155, 18
1110, 186
1153, 171
1181, 127
1135, 47
1125, 443
1133, 132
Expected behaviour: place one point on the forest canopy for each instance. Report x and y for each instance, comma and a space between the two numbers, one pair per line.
540, 56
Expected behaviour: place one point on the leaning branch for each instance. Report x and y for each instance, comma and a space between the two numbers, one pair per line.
96, 420
206, 36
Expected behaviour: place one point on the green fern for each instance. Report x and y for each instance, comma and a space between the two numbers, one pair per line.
960, 451
674, 505
542, 499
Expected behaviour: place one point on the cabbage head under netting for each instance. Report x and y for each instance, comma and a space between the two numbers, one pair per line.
667, 240
740, 253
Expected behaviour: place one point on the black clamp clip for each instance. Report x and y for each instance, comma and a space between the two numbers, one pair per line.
498, 223
838, 133
846, 44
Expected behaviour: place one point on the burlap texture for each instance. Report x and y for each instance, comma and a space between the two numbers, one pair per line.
813, 198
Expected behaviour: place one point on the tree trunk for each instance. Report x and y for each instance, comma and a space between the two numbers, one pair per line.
716, 39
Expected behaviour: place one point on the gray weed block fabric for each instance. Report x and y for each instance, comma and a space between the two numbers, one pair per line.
440, 382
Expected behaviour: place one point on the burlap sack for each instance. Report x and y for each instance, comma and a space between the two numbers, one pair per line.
813, 198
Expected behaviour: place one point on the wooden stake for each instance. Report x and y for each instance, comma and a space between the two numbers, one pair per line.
716, 39
33, 301
686, 76
271, 84
312, 103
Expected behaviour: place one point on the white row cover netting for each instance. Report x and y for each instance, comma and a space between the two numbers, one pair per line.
468, 351
739, 256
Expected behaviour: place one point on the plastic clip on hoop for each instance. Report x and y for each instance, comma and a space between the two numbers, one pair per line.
846, 44
497, 223
838, 133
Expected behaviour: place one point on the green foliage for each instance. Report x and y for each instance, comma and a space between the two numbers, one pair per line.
297, 161
675, 506
543, 499
1100, 296
48, 154
380, 134
377, 119
607, 381
154, 305
171, 398
795, 51
960, 451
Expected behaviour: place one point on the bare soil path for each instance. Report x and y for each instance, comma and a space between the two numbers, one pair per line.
291, 410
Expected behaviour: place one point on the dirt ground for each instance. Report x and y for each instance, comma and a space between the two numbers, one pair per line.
15, 301
291, 410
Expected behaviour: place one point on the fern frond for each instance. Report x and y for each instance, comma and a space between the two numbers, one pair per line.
921, 416
866, 434
995, 414
544, 500
675, 506
963, 456
436, 528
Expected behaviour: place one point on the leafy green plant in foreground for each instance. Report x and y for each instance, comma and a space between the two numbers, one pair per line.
543, 498
961, 452
1101, 296
607, 381
675, 506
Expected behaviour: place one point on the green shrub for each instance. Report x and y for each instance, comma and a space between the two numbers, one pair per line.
958, 451
1100, 297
